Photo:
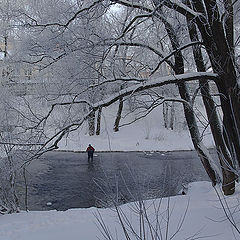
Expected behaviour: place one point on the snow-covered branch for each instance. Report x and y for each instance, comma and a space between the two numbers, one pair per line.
181, 8
123, 93
85, 9
174, 52
175, 4
134, 5
136, 44
174, 79
154, 105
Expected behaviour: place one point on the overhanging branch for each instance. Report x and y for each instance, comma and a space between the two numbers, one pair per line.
174, 79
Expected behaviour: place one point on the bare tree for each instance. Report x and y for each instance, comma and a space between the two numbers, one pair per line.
164, 30
221, 29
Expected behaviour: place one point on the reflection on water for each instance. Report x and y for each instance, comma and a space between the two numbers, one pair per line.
91, 167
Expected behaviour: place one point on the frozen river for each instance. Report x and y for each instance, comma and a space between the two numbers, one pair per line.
66, 180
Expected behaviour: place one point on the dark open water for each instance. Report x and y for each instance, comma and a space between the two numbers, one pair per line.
68, 181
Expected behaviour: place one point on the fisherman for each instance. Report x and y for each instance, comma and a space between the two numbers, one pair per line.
90, 150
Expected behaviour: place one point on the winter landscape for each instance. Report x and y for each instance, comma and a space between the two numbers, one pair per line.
119, 119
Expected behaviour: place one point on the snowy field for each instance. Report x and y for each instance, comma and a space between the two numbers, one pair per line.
204, 219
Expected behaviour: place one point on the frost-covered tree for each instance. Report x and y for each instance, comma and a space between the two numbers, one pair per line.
67, 44
214, 23
64, 54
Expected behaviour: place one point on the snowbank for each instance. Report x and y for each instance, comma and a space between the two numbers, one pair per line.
204, 219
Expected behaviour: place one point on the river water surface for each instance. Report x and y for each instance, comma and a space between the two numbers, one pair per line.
63, 180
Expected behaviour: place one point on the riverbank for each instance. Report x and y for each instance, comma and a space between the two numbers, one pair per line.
198, 214
145, 134
133, 138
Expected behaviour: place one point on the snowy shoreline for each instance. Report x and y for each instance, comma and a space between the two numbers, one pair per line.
200, 210
137, 151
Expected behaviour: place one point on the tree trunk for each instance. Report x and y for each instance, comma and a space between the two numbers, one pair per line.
172, 116
224, 157
5, 46
220, 48
168, 115
165, 114
194, 132
91, 123
99, 121
188, 111
119, 115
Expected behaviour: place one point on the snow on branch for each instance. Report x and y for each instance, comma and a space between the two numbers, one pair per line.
87, 8
133, 21
137, 44
175, 4
142, 45
181, 8
173, 79
133, 5
165, 59
162, 81
154, 105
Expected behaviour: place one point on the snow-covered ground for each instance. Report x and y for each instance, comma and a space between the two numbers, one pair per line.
147, 134
205, 219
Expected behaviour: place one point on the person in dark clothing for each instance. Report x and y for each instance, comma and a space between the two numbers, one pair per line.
90, 150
